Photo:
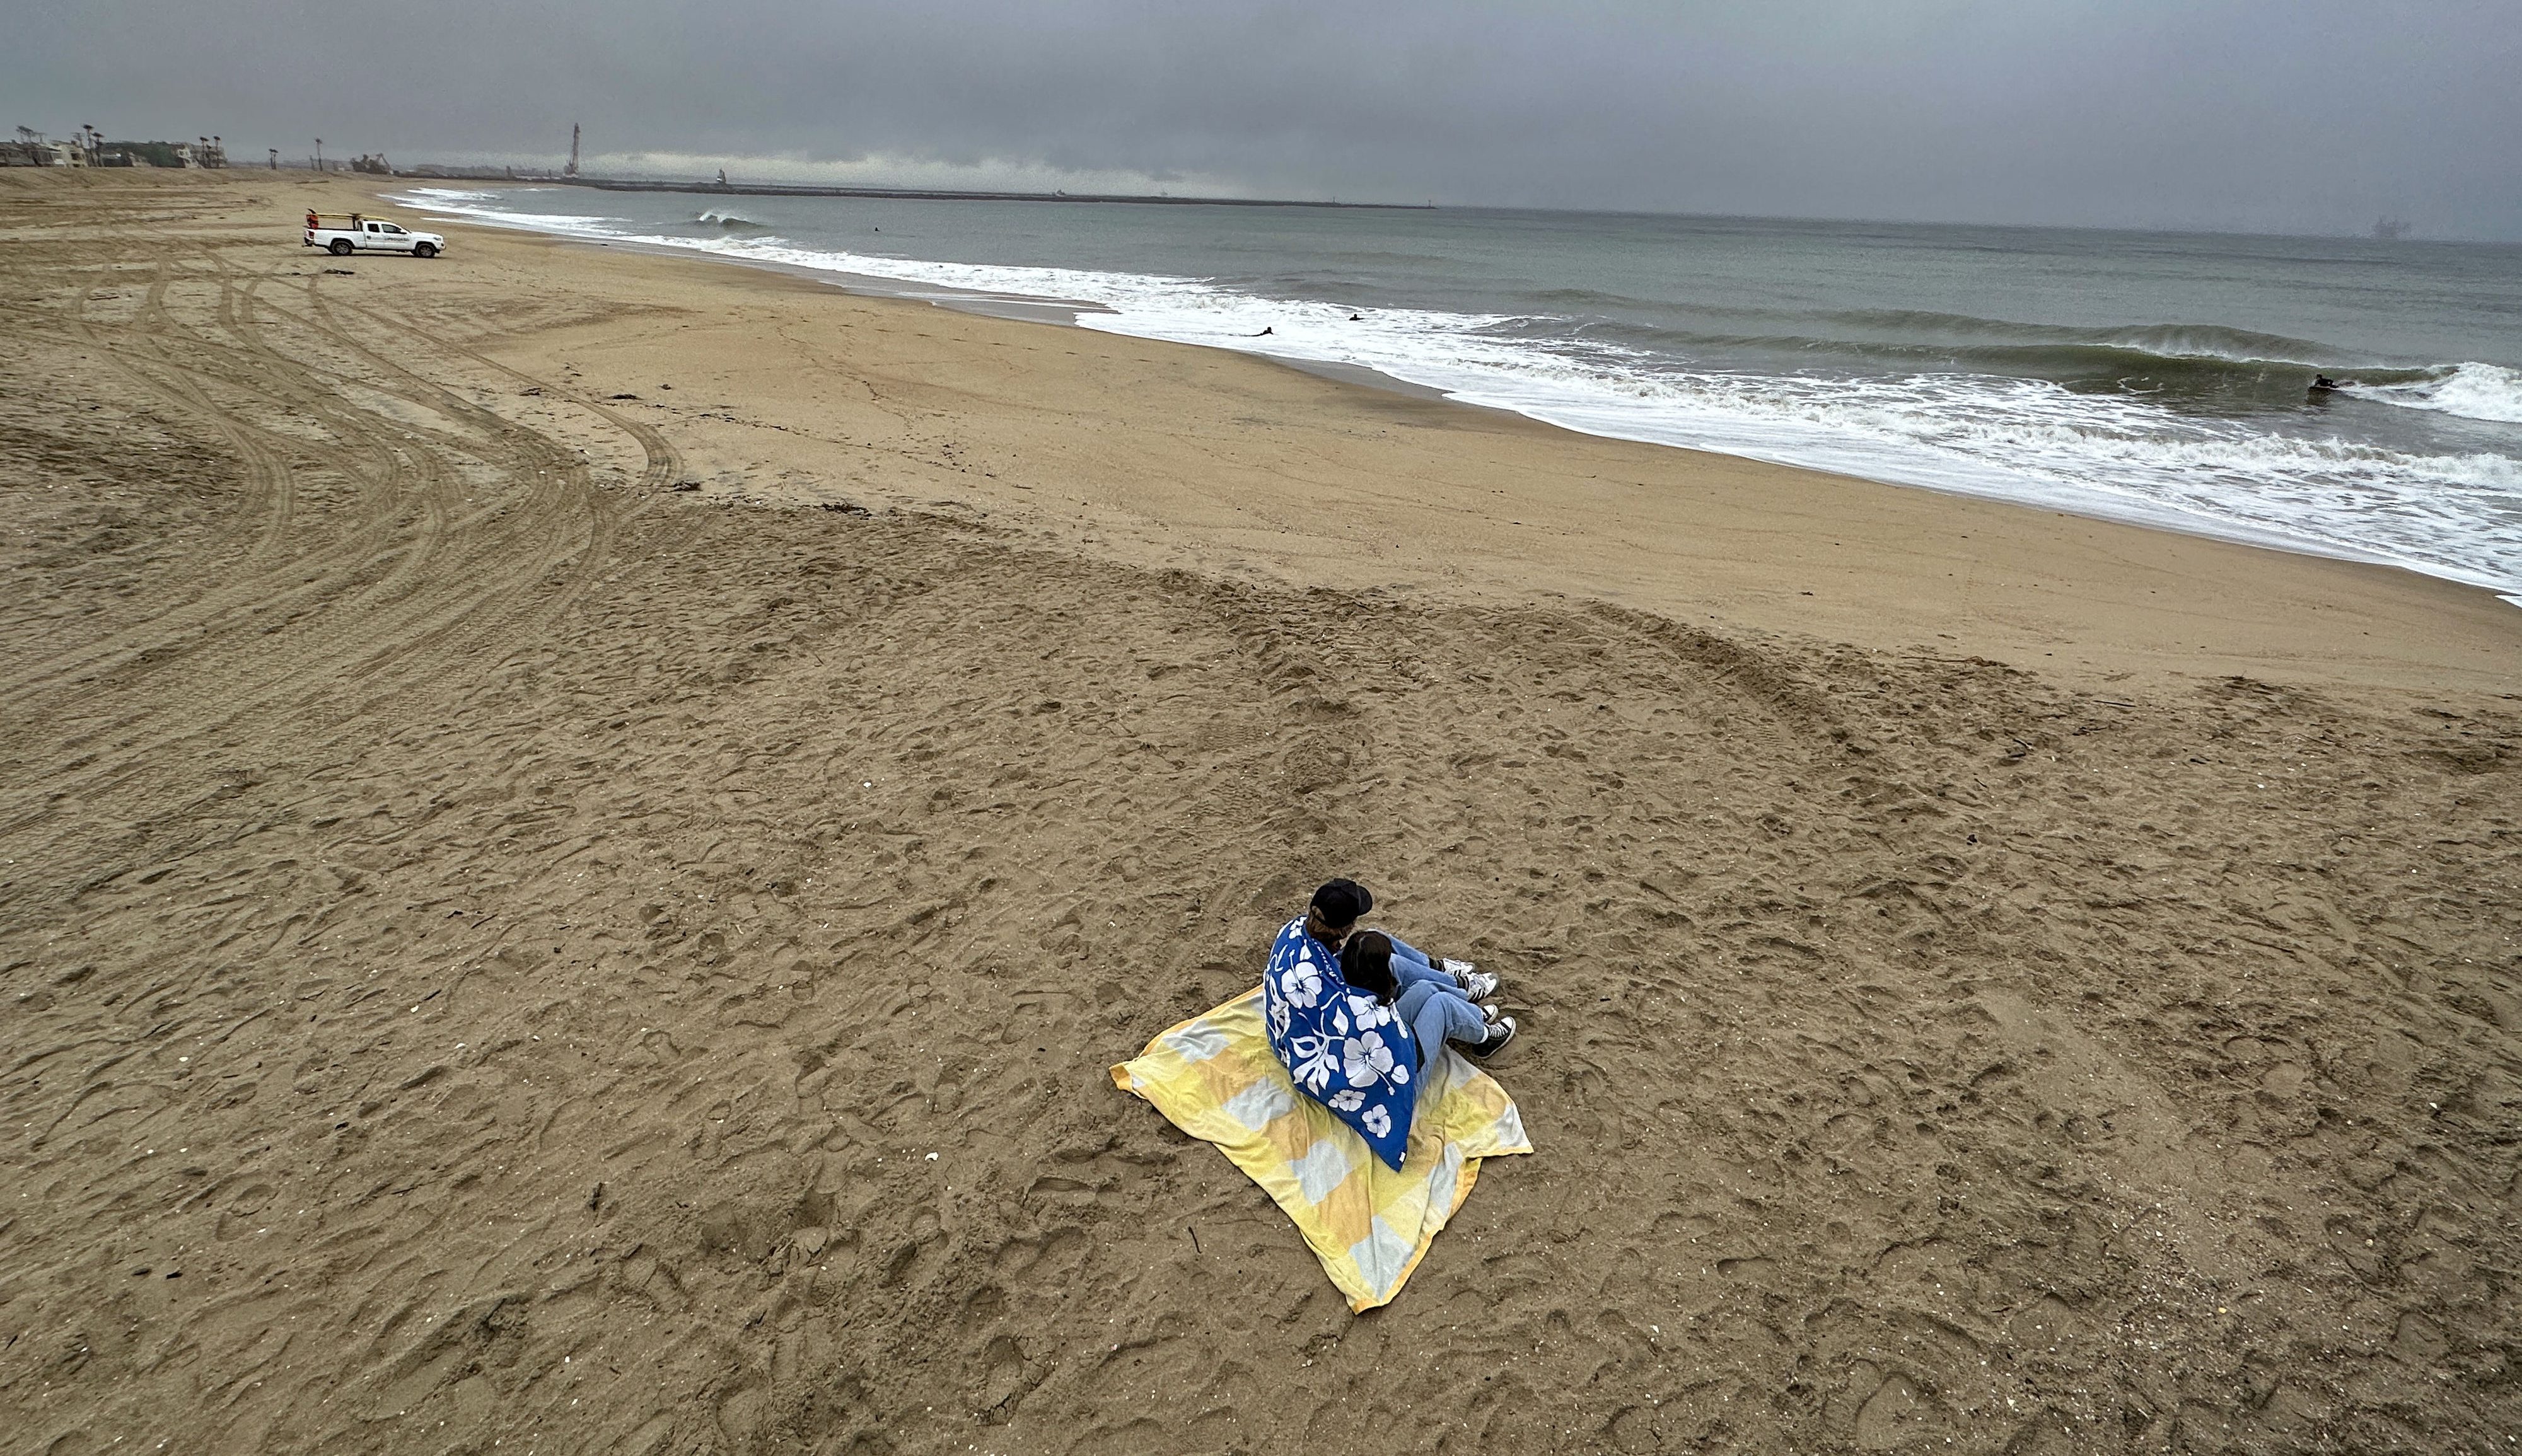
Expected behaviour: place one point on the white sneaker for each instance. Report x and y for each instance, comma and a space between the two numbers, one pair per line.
1480, 985
1496, 1041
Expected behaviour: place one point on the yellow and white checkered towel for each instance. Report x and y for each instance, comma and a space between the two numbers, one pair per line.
1214, 1077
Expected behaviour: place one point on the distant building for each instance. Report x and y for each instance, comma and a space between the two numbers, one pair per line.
31, 148
201, 151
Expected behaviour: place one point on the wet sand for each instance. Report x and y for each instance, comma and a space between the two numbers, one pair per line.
491, 940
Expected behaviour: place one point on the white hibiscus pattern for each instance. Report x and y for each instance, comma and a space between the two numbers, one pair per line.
1314, 1060
1345, 1048
1366, 1058
1302, 985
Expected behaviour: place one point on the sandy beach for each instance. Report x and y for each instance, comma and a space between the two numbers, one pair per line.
579, 830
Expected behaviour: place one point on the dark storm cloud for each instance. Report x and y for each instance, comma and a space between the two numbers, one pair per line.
2318, 114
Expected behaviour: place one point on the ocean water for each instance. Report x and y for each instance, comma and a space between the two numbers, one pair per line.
2147, 377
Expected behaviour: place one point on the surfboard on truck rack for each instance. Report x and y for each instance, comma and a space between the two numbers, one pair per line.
357, 233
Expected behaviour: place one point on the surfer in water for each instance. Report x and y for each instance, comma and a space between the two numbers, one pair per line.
2323, 383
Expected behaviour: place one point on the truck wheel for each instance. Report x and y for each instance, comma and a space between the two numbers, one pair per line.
424, 250
340, 248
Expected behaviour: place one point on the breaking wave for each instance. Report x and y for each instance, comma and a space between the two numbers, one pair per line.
2473, 391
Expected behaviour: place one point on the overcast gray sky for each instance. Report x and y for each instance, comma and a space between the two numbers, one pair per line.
2314, 115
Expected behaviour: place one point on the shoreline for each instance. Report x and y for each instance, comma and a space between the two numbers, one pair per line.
2152, 516
1017, 308
1687, 534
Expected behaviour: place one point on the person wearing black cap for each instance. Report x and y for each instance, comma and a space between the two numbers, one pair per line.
1335, 910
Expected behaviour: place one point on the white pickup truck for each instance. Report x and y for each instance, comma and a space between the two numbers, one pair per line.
368, 235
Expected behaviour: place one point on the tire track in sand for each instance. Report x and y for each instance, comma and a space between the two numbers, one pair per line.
382, 589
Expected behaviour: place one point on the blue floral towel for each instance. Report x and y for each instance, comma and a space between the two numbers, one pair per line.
1342, 1046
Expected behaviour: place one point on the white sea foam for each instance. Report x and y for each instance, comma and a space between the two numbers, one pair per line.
2472, 390
2458, 516
477, 205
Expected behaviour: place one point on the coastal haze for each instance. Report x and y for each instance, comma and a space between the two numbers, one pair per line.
2313, 116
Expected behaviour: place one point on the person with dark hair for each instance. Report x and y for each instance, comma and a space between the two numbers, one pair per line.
1431, 1003
1344, 1043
